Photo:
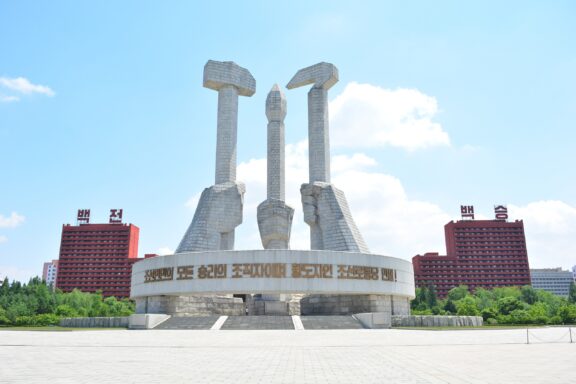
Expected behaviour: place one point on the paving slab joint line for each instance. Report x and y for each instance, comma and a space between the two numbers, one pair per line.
219, 323
298, 326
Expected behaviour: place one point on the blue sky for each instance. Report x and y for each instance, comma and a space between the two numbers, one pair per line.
438, 104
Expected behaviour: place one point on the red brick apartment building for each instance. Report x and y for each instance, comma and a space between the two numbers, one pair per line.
98, 256
479, 253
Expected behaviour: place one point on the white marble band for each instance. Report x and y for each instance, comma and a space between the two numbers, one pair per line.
272, 272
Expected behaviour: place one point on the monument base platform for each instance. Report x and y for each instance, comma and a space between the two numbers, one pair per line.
353, 304
191, 305
278, 282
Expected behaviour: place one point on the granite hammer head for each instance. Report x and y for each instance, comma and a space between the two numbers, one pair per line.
322, 75
218, 74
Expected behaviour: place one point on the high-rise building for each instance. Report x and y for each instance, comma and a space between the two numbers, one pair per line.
98, 257
553, 280
50, 272
479, 254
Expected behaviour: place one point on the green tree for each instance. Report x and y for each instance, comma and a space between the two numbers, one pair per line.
572, 293
467, 307
79, 301
431, 297
529, 294
552, 301
458, 293
17, 309
501, 292
37, 304
5, 287
567, 313
450, 307
507, 305
64, 310
419, 302
484, 298
489, 313
4, 320
539, 313
520, 316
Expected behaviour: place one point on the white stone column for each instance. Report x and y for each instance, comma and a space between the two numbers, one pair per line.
274, 216
276, 112
226, 134
318, 136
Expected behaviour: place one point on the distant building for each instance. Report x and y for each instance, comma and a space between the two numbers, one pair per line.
98, 257
50, 272
574, 272
479, 254
553, 280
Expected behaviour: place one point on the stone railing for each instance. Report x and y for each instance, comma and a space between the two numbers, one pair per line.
436, 321
95, 322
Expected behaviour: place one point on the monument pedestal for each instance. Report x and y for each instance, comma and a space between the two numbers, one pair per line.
272, 282
191, 305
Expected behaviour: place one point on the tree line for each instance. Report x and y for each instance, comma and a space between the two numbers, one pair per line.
507, 305
37, 304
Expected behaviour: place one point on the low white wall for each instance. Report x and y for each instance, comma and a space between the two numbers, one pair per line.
437, 321
95, 322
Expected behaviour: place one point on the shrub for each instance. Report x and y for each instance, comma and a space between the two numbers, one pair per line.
46, 319
467, 307
507, 305
567, 313
491, 321
64, 310
555, 320
520, 316
489, 313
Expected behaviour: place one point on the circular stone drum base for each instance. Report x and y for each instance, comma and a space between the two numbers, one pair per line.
329, 283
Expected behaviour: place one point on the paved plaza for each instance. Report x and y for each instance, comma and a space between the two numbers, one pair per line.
271, 356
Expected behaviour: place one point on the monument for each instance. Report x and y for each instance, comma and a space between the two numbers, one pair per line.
338, 276
274, 216
325, 208
219, 210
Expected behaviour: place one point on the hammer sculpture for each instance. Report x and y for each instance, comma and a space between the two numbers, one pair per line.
219, 210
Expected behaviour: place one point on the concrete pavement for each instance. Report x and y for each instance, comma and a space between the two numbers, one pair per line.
309, 356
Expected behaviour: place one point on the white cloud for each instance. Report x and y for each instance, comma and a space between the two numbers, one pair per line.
8, 99
24, 86
3, 239
550, 228
21, 86
343, 163
165, 251
365, 115
390, 221
12, 221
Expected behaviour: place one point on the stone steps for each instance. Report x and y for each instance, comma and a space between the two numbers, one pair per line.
258, 322
330, 322
188, 322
